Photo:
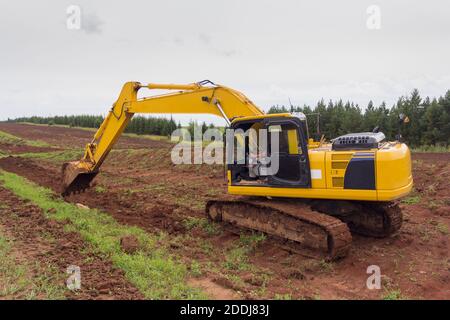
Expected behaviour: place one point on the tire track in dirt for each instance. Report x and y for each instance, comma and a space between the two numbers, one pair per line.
37, 238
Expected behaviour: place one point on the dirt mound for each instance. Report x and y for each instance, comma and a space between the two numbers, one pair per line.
136, 209
431, 173
129, 244
20, 148
27, 168
150, 215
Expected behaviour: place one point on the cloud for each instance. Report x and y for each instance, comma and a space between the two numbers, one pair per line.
229, 53
207, 41
204, 38
306, 52
178, 41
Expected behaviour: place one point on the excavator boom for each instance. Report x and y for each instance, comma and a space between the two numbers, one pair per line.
198, 98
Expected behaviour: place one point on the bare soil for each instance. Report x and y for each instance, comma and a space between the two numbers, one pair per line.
18, 148
37, 238
143, 188
59, 136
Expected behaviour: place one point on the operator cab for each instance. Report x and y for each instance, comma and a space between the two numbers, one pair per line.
269, 151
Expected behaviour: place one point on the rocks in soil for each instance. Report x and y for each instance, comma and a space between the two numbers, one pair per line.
82, 206
254, 281
293, 273
129, 244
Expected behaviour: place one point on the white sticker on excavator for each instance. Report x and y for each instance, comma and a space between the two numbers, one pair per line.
316, 174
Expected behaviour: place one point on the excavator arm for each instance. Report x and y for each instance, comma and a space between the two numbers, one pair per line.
198, 98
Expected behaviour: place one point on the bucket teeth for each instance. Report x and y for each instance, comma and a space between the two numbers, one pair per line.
75, 178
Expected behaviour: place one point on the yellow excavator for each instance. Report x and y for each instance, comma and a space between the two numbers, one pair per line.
320, 193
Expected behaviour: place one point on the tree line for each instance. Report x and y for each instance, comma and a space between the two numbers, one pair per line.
137, 125
429, 119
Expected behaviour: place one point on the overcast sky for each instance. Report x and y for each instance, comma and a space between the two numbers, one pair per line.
270, 50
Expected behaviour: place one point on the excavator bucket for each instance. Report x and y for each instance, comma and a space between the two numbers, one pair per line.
76, 178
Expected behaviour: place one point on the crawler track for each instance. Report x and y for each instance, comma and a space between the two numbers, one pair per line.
293, 225
373, 219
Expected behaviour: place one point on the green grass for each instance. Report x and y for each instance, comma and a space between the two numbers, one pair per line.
279, 296
393, 295
236, 280
209, 227
100, 189
148, 136
156, 273
442, 228
11, 139
47, 283
411, 200
18, 281
252, 240
133, 135
57, 125
432, 148
325, 266
237, 258
13, 277
55, 156
196, 269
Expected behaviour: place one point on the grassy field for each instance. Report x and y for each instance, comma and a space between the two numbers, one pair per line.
26, 280
133, 135
7, 138
437, 149
10, 139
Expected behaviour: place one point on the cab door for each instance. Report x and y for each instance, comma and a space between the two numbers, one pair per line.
292, 153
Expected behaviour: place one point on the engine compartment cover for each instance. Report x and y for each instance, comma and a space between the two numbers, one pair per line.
358, 141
